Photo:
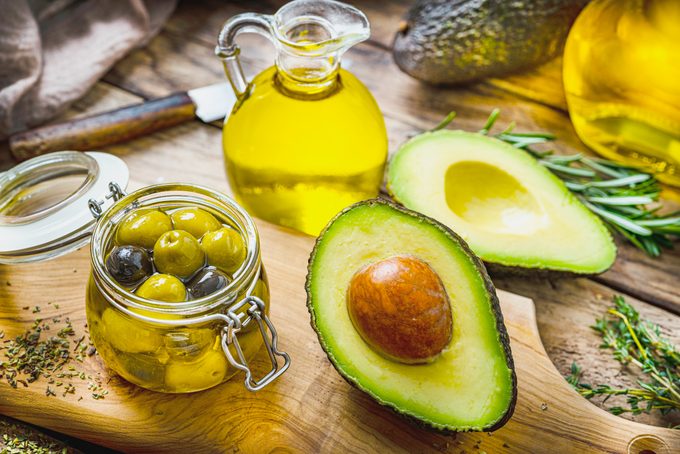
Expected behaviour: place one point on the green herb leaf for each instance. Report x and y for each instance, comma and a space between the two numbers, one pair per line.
445, 122
637, 342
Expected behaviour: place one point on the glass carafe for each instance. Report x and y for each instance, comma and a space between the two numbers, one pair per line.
622, 82
305, 138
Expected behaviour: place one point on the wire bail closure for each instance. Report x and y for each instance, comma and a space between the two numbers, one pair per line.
115, 193
230, 337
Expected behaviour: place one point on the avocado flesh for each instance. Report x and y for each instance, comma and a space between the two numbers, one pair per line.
511, 210
471, 385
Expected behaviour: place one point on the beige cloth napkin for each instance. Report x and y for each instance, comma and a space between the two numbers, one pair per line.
53, 51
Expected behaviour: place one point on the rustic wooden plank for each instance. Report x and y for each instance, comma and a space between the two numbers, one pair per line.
102, 97
202, 20
651, 279
170, 64
542, 84
311, 409
292, 407
563, 305
160, 157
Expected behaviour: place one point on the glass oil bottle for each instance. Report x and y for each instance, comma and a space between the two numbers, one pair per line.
622, 82
306, 138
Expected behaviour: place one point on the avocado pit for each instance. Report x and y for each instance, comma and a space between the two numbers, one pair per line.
400, 308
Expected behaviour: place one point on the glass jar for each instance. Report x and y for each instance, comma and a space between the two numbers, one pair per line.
167, 347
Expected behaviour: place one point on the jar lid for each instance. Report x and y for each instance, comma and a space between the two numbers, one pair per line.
44, 209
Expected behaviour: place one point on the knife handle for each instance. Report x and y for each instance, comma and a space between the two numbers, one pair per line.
90, 133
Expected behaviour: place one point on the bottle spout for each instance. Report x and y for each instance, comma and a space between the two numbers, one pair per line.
319, 28
310, 37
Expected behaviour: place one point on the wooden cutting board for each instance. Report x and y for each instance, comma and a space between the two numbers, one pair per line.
310, 409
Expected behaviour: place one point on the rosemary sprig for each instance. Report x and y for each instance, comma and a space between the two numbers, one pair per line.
624, 197
637, 342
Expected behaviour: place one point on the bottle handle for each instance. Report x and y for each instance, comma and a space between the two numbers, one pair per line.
228, 51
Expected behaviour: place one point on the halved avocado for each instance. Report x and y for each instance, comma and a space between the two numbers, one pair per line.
471, 383
510, 209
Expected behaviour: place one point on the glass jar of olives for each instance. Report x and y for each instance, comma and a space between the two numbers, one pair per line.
178, 299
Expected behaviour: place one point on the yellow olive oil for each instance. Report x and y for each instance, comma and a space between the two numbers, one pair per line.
622, 82
297, 154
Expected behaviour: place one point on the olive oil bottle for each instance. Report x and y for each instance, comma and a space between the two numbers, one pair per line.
622, 82
306, 138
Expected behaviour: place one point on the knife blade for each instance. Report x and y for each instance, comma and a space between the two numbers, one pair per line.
209, 103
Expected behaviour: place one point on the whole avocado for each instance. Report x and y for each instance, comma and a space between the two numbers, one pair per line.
458, 41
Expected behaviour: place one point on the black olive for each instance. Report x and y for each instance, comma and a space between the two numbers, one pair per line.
207, 281
129, 264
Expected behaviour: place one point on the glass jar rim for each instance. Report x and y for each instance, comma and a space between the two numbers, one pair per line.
175, 193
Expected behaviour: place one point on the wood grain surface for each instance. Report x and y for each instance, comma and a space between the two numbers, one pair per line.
310, 409
181, 58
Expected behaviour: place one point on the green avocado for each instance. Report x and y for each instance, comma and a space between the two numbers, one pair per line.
471, 384
458, 41
511, 210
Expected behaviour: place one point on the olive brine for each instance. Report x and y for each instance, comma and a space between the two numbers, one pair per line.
174, 256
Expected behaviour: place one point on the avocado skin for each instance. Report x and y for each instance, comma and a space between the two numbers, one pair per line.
458, 41
500, 270
490, 289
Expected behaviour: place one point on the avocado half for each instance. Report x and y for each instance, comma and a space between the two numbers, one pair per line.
511, 210
471, 385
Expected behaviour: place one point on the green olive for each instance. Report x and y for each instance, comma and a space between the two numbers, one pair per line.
142, 369
187, 344
177, 252
206, 371
195, 221
143, 228
163, 287
224, 248
127, 335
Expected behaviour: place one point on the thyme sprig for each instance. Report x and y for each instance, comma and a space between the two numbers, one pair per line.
624, 197
637, 342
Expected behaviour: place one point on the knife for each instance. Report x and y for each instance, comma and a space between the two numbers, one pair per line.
209, 103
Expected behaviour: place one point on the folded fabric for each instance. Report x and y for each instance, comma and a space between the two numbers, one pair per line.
53, 51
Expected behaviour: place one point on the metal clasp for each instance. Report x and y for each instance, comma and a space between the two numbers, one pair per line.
230, 337
115, 193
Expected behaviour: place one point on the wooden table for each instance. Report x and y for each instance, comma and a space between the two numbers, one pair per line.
181, 57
